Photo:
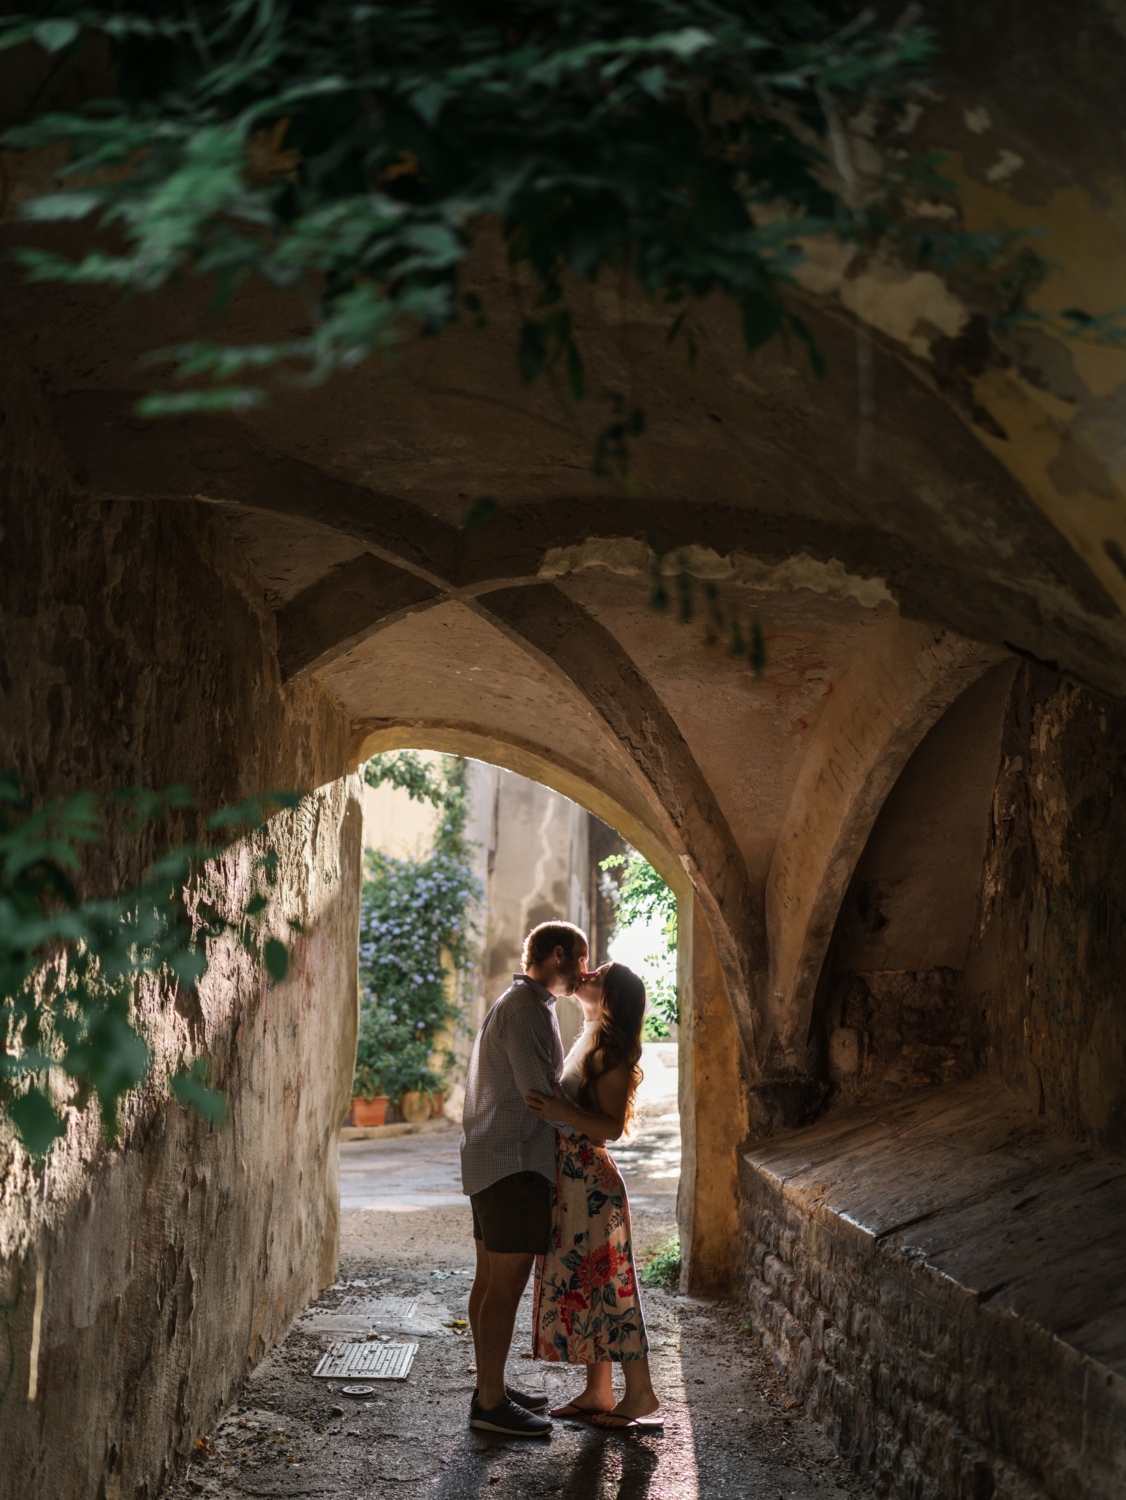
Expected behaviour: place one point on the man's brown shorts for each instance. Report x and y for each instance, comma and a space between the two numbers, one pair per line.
513, 1216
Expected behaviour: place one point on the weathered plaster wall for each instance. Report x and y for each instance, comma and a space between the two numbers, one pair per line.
893, 1012
540, 872
983, 930
137, 651
1044, 976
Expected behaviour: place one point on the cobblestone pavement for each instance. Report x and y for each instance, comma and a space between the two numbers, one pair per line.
732, 1428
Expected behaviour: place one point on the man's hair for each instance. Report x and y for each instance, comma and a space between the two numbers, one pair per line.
543, 940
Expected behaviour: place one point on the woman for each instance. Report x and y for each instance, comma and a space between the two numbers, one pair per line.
587, 1308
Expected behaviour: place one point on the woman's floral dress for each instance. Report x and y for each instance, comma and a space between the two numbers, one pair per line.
587, 1308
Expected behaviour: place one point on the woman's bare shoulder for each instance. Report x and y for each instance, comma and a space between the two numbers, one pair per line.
615, 1081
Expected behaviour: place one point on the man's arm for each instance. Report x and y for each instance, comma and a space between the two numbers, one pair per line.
606, 1122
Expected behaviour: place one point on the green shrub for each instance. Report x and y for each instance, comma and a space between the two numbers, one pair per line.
415, 930
644, 899
663, 1266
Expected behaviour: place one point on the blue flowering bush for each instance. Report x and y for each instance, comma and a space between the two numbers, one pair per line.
416, 929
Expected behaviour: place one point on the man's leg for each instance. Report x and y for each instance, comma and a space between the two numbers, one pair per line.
477, 1296
496, 1318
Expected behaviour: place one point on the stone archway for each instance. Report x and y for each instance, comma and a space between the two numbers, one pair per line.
711, 1090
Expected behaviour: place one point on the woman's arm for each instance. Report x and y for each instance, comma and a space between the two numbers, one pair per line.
606, 1123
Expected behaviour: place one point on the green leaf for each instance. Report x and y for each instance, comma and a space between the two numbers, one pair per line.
114, 1057
428, 100
482, 508
762, 318
189, 1087
276, 957
189, 967
177, 403
15, 36
54, 35
799, 327
576, 373
532, 351
758, 650
36, 1120
54, 207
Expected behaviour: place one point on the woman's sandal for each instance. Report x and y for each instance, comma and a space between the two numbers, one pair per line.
571, 1410
611, 1421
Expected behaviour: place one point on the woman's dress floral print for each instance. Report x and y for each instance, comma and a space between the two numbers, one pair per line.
587, 1308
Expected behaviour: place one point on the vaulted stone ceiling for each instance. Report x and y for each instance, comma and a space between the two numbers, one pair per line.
752, 457
531, 632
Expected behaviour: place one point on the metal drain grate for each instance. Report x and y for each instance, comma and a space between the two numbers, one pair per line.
384, 1309
376, 1361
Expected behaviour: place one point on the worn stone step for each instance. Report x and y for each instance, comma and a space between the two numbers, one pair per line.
944, 1277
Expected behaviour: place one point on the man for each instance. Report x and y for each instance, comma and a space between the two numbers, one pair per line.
508, 1163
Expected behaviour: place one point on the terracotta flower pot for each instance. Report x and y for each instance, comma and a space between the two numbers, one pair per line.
369, 1111
438, 1103
415, 1107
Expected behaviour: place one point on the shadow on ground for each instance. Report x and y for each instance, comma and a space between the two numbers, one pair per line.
731, 1430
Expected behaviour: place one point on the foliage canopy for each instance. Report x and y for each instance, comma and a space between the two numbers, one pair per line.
351, 151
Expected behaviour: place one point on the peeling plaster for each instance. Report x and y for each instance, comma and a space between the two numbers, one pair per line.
1033, 451
1003, 168
627, 555
978, 120
908, 307
1059, 409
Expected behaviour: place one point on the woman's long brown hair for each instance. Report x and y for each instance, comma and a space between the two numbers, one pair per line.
617, 1037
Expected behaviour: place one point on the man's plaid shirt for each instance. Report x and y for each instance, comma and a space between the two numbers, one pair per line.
518, 1048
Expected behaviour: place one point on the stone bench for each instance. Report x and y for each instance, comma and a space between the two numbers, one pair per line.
944, 1279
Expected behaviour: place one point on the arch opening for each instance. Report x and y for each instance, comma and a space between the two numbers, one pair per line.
535, 855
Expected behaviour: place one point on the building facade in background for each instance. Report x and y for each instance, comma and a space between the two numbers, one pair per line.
537, 856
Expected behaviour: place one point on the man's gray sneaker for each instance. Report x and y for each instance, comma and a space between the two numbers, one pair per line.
525, 1399
510, 1419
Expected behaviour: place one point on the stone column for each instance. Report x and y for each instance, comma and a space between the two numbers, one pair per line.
713, 1110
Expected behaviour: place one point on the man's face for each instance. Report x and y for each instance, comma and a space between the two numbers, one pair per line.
571, 970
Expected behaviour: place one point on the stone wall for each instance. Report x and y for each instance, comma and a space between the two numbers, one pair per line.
905, 1254
984, 931
904, 1272
1044, 975
136, 650
889, 1032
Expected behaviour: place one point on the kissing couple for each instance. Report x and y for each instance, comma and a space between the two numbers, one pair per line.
545, 1191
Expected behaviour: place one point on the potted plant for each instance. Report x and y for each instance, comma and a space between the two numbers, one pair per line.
411, 1077
369, 1095
368, 1111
